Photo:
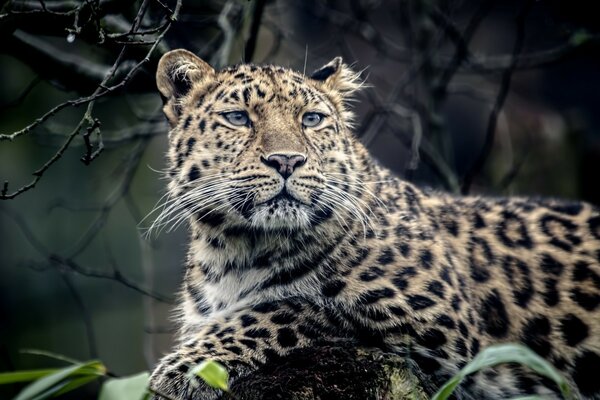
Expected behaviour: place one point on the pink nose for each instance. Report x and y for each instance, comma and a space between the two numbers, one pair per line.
285, 164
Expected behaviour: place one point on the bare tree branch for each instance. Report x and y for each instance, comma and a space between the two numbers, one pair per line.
102, 90
257, 13
85, 314
500, 99
462, 41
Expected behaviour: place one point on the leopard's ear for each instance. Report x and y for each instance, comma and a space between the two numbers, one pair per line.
335, 75
176, 74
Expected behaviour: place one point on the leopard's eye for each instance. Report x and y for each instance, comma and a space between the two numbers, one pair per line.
237, 118
312, 119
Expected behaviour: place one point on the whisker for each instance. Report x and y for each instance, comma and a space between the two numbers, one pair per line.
341, 202
176, 209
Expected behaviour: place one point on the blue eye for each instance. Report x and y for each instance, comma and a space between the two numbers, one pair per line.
237, 118
312, 119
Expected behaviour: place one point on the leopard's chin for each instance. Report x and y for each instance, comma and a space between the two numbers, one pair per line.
281, 213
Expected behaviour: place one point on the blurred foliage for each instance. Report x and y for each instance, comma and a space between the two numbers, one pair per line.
52, 383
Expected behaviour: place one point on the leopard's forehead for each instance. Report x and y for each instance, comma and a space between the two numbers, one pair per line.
263, 89
245, 73
268, 83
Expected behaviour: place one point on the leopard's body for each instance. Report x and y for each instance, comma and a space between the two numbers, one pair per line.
341, 250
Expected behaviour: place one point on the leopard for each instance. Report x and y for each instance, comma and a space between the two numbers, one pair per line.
299, 237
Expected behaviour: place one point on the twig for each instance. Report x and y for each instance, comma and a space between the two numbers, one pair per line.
500, 99
462, 41
257, 13
40, 171
102, 90
117, 36
85, 315
417, 129
116, 276
71, 265
111, 139
129, 172
90, 153
228, 34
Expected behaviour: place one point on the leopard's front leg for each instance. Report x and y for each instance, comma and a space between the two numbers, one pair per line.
242, 341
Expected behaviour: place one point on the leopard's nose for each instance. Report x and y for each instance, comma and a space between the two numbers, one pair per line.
285, 164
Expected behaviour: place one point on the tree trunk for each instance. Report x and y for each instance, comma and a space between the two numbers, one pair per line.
332, 373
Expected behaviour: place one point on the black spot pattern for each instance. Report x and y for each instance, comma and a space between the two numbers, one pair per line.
283, 317
402, 277
586, 373
247, 320
478, 221
333, 288
432, 339
461, 347
286, 337
374, 313
551, 266
560, 231
594, 225
586, 300
550, 295
512, 231
371, 274
386, 257
446, 321
398, 311
428, 365
535, 335
375, 295
266, 307
418, 302
573, 329
572, 209
481, 259
587, 293
426, 259
496, 321
518, 276
194, 173
249, 343
255, 333
436, 288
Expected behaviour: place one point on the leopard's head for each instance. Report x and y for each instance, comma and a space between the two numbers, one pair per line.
260, 146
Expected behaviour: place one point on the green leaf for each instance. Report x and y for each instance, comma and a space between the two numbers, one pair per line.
579, 37
213, 373
50, 385
74, 383
505, 353
49, 354
133, 387
24, 376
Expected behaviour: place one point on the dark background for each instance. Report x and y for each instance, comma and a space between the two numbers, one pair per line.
474, 96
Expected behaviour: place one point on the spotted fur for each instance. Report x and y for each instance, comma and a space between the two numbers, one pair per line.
342, 250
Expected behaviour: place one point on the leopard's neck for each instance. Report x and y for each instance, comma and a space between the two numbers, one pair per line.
231, 266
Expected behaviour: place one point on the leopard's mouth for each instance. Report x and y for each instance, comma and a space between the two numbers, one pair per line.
282, 198
281, 211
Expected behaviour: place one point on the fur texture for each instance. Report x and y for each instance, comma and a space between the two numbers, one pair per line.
342, 250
